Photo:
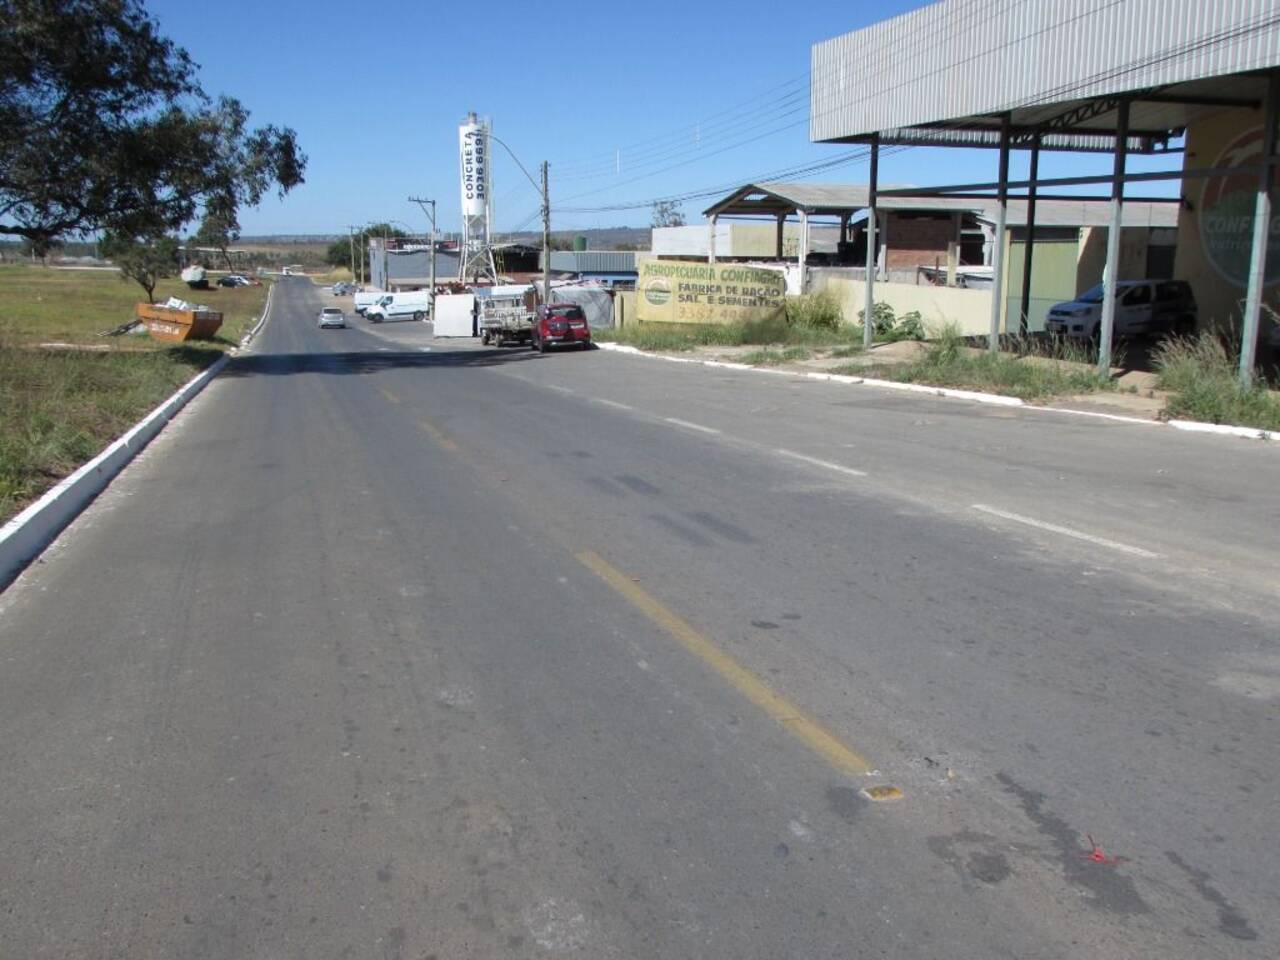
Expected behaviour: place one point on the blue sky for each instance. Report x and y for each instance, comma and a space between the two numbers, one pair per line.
627, 101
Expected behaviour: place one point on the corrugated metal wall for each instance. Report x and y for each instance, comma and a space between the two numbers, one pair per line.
593, 261
959, 58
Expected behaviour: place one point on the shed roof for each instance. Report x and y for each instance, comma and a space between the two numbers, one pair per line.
772, 199
944, 74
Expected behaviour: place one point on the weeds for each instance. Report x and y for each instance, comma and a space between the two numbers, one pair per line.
815, 311
890, 328
769, 357
1200, 373
949, 362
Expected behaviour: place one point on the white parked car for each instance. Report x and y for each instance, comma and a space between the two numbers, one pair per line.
1142, 307
331, 317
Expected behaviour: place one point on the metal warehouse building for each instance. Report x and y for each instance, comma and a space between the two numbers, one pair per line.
1193, 79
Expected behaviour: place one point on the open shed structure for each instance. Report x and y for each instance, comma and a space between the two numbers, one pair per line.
1182, 77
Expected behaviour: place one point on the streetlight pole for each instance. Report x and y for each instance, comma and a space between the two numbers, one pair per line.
431, 215
546, 237
546, 216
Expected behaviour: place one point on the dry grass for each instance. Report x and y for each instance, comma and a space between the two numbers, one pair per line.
47, 305
1200, 373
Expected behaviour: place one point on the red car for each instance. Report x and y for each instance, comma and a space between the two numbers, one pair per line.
560, 323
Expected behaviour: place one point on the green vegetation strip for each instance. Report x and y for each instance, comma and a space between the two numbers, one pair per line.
948, 363
61, 405
1200, 374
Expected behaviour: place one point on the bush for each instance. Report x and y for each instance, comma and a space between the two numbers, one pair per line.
818, 311
882, 318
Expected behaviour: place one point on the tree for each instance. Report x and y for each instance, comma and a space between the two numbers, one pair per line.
218, 231
666, 213
104, 126
145, 261
41, 247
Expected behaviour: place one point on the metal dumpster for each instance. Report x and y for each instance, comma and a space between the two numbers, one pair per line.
172, 324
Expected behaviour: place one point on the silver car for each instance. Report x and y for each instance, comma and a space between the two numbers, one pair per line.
331, 317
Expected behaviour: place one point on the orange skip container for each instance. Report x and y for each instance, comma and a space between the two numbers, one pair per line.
166, 323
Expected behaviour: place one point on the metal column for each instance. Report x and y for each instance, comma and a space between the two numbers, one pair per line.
1261, 237
782, 219
1109, 278
1030, 242
997, 251
803, 256
868, 314
546, 234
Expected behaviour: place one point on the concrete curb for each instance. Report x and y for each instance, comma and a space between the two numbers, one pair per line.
248, 338
26, 536
996, 399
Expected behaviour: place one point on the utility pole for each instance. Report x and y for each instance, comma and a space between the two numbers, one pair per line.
351, 244
546, 237
431, 215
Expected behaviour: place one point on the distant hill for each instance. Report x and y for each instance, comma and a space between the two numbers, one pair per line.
599, 238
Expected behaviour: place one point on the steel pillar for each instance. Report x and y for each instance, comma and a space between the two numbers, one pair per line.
1109, 273
868, 322
997, 252
1029, 245
802, 256
1261, 237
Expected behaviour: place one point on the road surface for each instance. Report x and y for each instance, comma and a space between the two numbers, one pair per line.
397, 647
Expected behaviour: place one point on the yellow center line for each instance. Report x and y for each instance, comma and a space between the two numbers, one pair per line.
809, 731
438, 435
391, 397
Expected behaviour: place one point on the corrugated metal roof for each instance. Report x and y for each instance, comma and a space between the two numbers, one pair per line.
593, 261
835, 199
967, 60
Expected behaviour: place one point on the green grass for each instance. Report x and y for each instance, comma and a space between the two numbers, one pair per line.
1200, 373
768, 357
62, 407
947, 362
59, 406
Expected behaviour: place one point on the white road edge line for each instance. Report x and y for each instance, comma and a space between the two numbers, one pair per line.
1067, 532
690, 426
557, 388
825, 464
611, 403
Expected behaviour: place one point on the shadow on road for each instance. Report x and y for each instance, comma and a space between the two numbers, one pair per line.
348, 363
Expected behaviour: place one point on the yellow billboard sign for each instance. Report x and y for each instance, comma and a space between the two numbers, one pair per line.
672, 291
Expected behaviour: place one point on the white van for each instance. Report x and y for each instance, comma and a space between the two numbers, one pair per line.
364, 299
400, 306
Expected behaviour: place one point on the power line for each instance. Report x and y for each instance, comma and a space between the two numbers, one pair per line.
682, 131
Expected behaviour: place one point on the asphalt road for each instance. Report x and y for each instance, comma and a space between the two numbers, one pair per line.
396, 647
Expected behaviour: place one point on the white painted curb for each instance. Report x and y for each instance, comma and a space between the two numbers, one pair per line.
1251, 433
991, 398
248, 338
24, 537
